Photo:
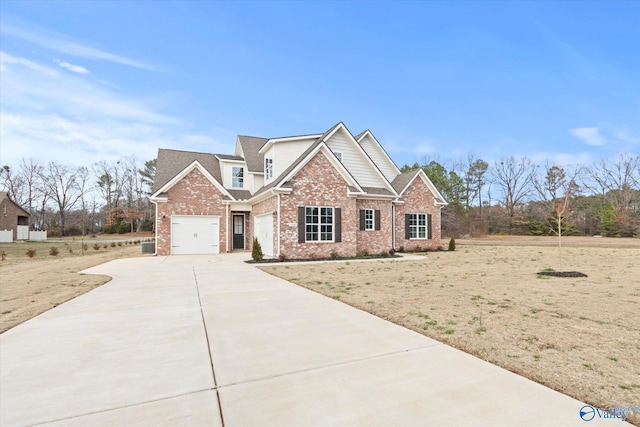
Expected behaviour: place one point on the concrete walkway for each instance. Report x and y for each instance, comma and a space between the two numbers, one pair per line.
212, 341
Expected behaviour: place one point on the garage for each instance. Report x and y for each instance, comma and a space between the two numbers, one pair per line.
263, 226
192, 235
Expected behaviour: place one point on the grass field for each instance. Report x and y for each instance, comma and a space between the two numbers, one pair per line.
30, 286
580, 336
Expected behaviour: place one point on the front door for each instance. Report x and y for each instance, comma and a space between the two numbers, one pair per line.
238, 232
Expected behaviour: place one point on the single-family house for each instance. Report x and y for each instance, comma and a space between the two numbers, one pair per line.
13, 218
306, 196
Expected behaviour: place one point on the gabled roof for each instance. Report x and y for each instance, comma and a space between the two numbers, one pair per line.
368, 133
250, 148
5, 196
404, 180
303, 159
171, 162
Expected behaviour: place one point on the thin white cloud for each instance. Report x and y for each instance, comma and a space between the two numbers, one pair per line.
51, 115
71, 67
591, 136
63, 44
5, 59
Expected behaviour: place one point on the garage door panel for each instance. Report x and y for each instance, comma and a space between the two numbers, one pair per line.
264, 233
191, 235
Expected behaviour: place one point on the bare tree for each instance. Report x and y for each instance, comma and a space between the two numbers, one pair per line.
514, 177
62, 184
13, 183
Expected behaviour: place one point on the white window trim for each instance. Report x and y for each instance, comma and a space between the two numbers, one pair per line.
417, 227
339, 155
373, 220
319, 224
234, 177
268, 176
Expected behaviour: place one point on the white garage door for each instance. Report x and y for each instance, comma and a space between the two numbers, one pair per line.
264, 232
192, 234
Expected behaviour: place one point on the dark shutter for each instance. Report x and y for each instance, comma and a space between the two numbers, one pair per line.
376, 215
428, 226
338, 225
301, 224
407, 233
362, 219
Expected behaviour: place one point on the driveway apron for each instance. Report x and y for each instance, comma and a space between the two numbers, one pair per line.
213, 341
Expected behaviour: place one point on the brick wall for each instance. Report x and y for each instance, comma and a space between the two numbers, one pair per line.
375, 241
418, 199
192, 195
317, 184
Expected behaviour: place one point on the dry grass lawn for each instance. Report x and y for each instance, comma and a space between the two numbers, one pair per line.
580, 336
30, 286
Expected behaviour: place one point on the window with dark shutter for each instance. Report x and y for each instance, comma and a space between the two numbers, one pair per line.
377, 219
301, 225
362, 219
407, 228
428, 226
338, 225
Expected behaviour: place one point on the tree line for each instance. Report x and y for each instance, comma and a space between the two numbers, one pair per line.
516, 195
70, 200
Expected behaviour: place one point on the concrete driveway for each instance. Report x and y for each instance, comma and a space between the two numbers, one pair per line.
212, 341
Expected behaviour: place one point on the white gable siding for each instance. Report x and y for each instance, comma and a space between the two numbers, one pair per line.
354, 160
226, 168
379, 158
286, 153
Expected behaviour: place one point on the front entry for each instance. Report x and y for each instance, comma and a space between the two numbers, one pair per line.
238, 231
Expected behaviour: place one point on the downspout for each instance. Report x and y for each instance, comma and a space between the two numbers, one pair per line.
393, 226
228, 225
278, 239
155, 246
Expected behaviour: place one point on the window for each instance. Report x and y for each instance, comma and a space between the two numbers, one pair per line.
237, 180
268, 168
318, 224
368, 219
417, 226
338, 155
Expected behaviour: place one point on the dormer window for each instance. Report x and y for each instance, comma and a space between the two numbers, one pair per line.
338, 155
268, 168
237, 177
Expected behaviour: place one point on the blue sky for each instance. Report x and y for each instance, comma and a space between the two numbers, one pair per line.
87, 81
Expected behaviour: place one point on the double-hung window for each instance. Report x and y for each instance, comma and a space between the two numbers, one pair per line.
318, 224
268, 168
237, 177
417, 226
368, 219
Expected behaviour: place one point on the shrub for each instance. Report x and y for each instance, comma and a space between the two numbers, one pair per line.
113, 244
392, 252
256, 250
53, 251
384, 254
105, 246
282, 257
147, 225
119, 243
334, 255
109, 229
362, 253
452, 244
85, 247
4, 255
123, 227
96, 246
401, 249
31, 252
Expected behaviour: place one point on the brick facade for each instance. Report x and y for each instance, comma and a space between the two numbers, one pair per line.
418, 199
375, 241
318, 183
192, 195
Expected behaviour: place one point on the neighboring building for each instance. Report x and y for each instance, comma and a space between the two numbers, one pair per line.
13, 217
302, 196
